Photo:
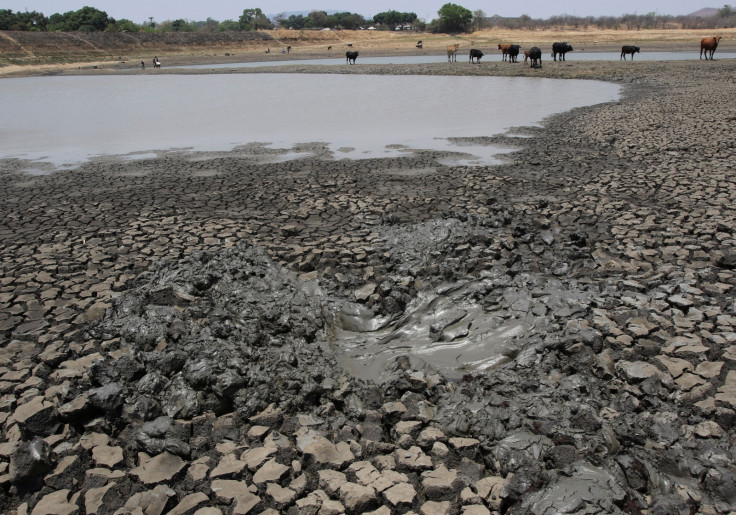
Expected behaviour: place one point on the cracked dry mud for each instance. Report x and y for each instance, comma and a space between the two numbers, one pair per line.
171, 327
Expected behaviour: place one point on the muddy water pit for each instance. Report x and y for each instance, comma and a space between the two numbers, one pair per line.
453, 328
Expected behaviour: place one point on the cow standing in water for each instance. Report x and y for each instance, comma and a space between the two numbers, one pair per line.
709, 45
452, 52
560, 48
475, 54
350, 57
628, 49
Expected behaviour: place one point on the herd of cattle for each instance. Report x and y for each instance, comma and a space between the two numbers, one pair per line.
511, 52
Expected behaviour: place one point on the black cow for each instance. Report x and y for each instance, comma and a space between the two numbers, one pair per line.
475, 54
514, 53
535, 54
350, 57
628, 49
560, 48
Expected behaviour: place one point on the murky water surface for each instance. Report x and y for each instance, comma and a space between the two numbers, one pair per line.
65, 120
451, 328
445, 329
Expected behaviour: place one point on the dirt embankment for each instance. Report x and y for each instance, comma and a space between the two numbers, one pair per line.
29, 53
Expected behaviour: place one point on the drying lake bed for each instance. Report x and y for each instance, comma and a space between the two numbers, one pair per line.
170, 324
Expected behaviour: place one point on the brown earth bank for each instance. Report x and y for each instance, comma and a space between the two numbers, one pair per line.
23, 53
168, 326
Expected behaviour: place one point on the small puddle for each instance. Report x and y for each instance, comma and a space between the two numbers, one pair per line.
445, 329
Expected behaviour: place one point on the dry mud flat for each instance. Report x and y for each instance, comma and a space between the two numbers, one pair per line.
166, 324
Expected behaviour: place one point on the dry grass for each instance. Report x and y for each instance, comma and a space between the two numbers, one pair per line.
590, 39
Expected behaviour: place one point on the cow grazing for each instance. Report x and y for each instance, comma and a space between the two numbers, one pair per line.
535, 54
560, 48
475, 54
709, 45
504, 48
419, 44
452, 52
350, 57
628, 49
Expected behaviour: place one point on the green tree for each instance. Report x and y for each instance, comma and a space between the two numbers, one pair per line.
394, 18
22, 20
228, 25
183, 26
346, 20
317, 20
209, 25
454, 18
86, 19
7, 19
295, 21
726, 11
254, 19
122, 25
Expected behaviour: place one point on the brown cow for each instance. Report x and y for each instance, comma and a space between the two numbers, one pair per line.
452, 52
709, 45
504, 49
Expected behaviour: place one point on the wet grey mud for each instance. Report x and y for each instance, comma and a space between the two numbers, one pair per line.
171, 327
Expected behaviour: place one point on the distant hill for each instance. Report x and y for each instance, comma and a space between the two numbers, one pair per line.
296, 13
705, 12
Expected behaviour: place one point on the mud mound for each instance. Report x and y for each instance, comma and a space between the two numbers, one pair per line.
216, 332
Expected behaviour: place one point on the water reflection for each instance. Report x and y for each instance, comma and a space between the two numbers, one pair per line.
69, 119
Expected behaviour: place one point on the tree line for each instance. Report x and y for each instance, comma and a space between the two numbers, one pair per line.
451, 18
89, 19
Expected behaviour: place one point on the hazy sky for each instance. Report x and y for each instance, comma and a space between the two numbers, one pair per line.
197, 10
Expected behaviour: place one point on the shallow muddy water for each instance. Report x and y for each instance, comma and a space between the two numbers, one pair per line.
444, 329
65, 120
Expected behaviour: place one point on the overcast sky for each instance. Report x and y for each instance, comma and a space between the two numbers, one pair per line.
197, 10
